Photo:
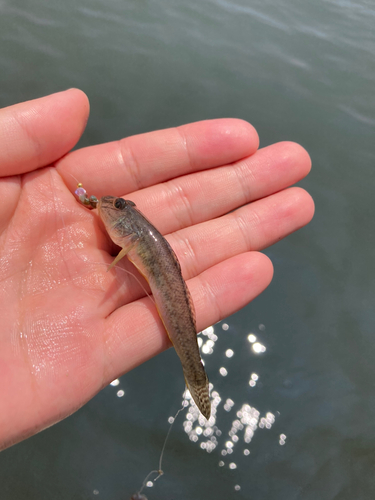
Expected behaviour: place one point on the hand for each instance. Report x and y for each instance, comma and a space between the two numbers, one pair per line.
69, 327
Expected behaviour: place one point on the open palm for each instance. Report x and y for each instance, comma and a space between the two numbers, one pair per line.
69, 327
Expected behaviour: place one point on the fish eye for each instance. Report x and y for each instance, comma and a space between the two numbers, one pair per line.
120, 203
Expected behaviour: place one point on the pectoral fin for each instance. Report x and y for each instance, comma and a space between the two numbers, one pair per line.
130, 242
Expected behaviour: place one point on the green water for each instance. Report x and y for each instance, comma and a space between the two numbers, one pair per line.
300, 71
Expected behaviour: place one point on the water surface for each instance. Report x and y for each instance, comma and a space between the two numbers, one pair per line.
298, 71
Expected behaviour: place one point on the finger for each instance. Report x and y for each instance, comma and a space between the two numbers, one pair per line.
198, 197
135, 162
36, 133
199, 247
250, 228
134, 333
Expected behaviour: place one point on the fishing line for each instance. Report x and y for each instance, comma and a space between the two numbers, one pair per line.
158, 471
91, 202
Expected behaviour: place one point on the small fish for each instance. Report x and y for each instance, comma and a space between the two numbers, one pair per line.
152, 255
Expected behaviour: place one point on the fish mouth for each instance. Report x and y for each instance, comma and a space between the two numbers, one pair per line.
105, 202
99, 205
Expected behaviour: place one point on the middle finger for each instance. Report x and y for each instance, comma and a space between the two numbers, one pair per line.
199, 197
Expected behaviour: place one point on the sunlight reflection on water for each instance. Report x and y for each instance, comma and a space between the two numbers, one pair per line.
228, 438
246, 419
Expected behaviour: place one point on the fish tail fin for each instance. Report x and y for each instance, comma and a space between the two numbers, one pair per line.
200, 394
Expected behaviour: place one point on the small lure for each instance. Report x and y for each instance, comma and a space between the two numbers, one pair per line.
152, 255
84, 199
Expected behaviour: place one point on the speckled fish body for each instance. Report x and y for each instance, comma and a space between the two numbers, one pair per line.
151, 253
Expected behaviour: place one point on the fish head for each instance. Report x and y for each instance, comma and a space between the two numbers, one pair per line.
118, 216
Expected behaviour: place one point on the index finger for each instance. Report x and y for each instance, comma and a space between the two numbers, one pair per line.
143, 160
